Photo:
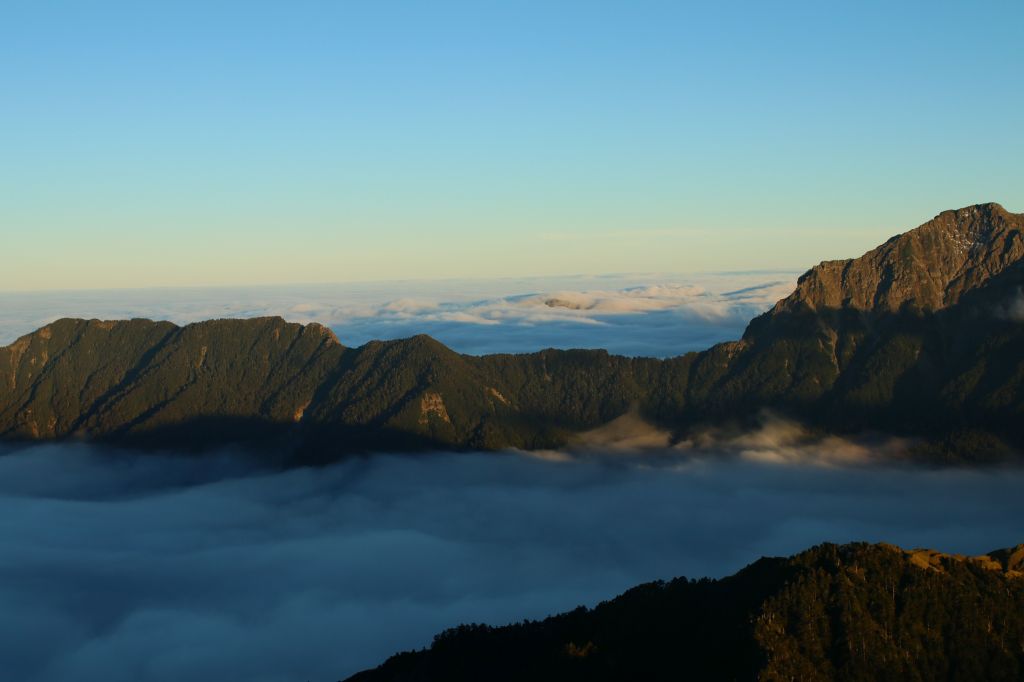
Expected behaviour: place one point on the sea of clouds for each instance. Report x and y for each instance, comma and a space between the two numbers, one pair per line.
121, 566
652, 315
117, 565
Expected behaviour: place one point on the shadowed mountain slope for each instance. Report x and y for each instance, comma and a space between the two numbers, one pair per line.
849, 612
921, 336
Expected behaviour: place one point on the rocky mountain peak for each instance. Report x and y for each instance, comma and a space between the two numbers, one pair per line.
925, 269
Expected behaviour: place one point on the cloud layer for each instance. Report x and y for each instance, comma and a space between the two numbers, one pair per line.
122, 567
774, 440
630, 314
1014, 308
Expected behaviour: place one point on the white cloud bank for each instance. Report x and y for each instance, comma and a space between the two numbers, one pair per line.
653, 315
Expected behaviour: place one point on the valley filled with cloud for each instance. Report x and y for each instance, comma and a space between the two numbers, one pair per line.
121, 566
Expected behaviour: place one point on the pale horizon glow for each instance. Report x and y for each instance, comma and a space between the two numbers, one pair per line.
228, 144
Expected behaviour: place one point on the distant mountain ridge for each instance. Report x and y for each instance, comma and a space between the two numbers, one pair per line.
833, 612
918, 337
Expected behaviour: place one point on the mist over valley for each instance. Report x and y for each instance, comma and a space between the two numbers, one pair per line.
135, 566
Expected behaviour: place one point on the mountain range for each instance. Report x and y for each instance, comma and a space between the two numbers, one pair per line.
833, 612
920, 337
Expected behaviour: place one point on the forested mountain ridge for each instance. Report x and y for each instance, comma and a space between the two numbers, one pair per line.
833, 612
922, 336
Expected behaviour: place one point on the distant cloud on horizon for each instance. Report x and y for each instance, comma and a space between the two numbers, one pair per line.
654, 315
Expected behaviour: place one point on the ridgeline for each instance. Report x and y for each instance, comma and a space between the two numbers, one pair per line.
833, 612
922, 336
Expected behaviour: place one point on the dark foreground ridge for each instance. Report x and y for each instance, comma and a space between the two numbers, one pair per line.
833, 612
923, 336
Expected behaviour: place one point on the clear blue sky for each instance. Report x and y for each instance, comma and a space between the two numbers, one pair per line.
201, 143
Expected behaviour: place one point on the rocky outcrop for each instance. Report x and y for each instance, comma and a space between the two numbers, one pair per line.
925, 269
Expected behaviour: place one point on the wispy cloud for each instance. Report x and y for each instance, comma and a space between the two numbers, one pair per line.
777, 440
1014, 308
774, 440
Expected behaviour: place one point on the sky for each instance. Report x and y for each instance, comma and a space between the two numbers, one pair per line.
256, 143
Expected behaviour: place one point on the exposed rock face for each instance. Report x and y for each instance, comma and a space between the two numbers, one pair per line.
433, 404
926, 269
1008, 561
918, 337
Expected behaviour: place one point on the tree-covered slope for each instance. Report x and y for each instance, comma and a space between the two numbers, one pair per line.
849, 612
921, 336
103, 379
